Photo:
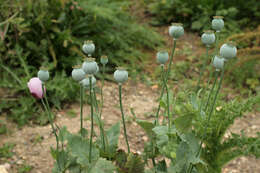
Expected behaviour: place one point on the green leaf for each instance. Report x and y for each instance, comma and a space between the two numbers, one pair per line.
147, 126
161, 140
112, 135
121, 158
183, 123
194, 101
161, 166
134, 164
160, 130
63, 133
103, 166
193, 142
80, 149
163, 104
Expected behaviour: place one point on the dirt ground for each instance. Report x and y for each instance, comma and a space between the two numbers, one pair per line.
32, 151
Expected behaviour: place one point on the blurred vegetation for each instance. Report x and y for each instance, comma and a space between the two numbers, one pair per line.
195, 14
51, 33
244, 71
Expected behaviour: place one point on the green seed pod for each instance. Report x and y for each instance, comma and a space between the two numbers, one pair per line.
97, 70
120, 75
85, 82
228, 50
208, 38
88, 47
43, 74
162, 57
104, 60
218, 63
78, 73
217, 23
176, 30
90, 66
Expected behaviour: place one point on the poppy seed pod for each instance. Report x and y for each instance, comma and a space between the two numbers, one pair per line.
218, 63
97, 70
104, 60
120, 75
228, 50
88, 47
176, 30
85, 82
162, 57
43, 74
208, 38
78, 73
217, 23
90, 66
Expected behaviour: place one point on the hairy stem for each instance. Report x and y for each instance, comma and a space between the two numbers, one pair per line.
168, 100
123, 116
101, 127
81, 109
50, 115
92, 118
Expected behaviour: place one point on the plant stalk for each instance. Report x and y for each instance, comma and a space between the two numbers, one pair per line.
92, 118
210, 114
49, 115
101, 127
81, 109
168, 100
166, 77
123, 116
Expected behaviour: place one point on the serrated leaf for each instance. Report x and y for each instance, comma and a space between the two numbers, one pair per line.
160, 130
161, 166
121, 158
134, 164
80, 149
103, 166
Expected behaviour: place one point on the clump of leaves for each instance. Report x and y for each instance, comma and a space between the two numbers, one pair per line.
6, 150
237, 14
244, 71
74, 157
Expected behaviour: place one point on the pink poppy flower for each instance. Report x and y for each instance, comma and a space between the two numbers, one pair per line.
35, 87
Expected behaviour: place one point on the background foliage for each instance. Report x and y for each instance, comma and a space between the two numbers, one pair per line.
195, 14
51, 33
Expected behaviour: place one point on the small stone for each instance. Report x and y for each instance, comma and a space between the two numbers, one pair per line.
7, 166
134, 123
3, 169
19, 162
145, 138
